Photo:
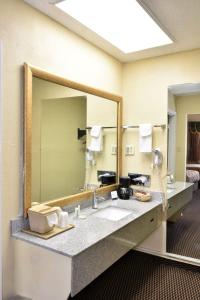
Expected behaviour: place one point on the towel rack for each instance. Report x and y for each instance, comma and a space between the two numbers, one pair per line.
82, 132
137, 126
103, 127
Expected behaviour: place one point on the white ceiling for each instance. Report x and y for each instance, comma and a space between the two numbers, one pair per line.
179, 18
185, 89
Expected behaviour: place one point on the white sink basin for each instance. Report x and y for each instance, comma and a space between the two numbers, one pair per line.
171, 188
112, 213
170, 191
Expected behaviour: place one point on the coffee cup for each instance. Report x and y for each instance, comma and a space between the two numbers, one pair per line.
63, 219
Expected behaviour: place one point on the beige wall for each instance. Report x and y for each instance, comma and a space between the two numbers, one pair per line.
29, 36
62, 165
184, 105
145, 92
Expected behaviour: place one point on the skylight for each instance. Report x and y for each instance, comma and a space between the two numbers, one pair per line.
123, 23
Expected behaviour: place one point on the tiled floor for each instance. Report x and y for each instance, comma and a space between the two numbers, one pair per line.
183, 237
139, 276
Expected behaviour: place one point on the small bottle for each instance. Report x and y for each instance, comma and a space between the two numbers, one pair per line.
76, 212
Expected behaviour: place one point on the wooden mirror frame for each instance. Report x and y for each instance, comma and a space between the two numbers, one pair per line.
29, 73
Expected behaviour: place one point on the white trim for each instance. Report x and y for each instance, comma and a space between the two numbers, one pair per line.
186, 138
171, 112
171, 148
1, 171
171, 256
184, 259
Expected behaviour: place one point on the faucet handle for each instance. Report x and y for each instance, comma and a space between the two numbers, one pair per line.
101, 198
92, 187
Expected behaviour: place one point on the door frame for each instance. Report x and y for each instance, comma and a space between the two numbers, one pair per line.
171, 151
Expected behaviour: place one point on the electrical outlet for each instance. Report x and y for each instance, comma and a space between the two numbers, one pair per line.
113, 149
130, 150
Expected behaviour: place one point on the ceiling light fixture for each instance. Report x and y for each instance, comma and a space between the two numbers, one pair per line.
123, 23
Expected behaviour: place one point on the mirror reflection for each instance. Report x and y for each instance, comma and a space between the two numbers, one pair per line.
74, 140
183, 182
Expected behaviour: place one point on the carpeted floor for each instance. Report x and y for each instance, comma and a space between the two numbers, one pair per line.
139, 276
183, 237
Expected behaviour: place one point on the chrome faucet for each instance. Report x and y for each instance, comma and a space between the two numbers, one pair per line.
93, 188
94, 200
170, 178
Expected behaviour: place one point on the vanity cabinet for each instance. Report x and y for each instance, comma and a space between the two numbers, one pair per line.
135, 232
92, 262
177, 202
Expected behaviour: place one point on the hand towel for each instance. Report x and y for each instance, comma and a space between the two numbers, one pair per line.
95, 131
89, 155
145, 138
96, 139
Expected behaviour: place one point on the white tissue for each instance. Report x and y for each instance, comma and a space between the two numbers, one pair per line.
52, 219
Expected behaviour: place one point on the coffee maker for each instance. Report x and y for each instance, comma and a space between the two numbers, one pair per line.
124, 190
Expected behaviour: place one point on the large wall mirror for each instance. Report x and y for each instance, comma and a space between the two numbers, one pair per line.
72, 137
183, 235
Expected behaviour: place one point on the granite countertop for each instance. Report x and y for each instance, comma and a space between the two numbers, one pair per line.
175, 188
93, 229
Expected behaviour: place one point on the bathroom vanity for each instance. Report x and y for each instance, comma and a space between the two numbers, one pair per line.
71, 260
66, 263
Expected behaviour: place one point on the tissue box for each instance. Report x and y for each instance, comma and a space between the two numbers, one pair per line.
38, 218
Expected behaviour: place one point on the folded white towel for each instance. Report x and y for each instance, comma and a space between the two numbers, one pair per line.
145, 138
96, 131
96, 143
